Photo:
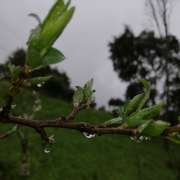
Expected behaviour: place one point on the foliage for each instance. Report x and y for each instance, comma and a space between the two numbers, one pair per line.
56, 86
154, 58
135, 118
74, 157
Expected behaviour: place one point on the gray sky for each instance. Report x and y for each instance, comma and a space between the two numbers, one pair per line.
85, 40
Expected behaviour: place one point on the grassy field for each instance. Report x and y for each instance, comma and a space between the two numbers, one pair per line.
73, 157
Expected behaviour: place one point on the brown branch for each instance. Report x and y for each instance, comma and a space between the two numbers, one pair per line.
75, 111
8, 133
61, 123
43, 134
40, 125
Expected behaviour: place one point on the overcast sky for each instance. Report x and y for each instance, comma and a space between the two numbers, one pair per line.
85, 41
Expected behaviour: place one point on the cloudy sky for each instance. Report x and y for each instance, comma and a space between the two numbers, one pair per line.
85, 41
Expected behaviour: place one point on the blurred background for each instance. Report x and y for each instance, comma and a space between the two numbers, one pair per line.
116, 43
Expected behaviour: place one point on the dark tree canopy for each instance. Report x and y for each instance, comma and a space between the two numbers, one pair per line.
153, 58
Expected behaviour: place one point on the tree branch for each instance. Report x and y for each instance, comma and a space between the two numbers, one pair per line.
40, 125
8, 133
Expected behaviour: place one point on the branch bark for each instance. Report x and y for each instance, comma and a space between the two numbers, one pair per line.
40, 125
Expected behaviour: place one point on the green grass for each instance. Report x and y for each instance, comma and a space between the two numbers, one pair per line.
73, 157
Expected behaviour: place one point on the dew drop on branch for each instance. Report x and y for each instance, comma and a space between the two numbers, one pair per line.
88, 135
39, 85
140, 139
13, 106
47, 150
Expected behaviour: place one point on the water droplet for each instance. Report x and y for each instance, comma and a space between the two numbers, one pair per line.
13, 106
34, 92
135, 139
51, 139
46, 150
39, 85
88, 135
132, 138
147, 138
37, 108
141, 138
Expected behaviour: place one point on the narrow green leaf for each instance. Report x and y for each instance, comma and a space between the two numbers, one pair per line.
146, 86
78, 97
142, 127
56, 10
88, 91
175, 138
39, 80
114, 121
133, 104
34, 59
15, 71
53, 30
54, 56
40, 51
156, 128
143, 115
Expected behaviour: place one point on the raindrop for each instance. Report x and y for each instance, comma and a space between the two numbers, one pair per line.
132, 138
34, 92
88, 135
46, 150
147, 138
135, 139
13, 106
37, 108
51, 139
141, 138
39, 85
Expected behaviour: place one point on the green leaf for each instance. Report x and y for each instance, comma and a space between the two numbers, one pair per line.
138, 101
133, 104
146, 88
88, 91
143, 115
142, 127
156, 128
78, 97
54, 56
40, 51
175, 138
34, 59
114, 121
15, 71
53, 30
39, 80
178, 118
57, 9
34, 36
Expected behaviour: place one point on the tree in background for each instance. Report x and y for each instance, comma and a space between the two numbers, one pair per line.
153, 57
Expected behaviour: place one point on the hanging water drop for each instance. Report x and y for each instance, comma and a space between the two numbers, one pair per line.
46, 150
39, 85
132, 138
13, 106
141, 138
147, 138
135, 139
88, 135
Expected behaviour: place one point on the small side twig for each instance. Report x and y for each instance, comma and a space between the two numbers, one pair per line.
8, 133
